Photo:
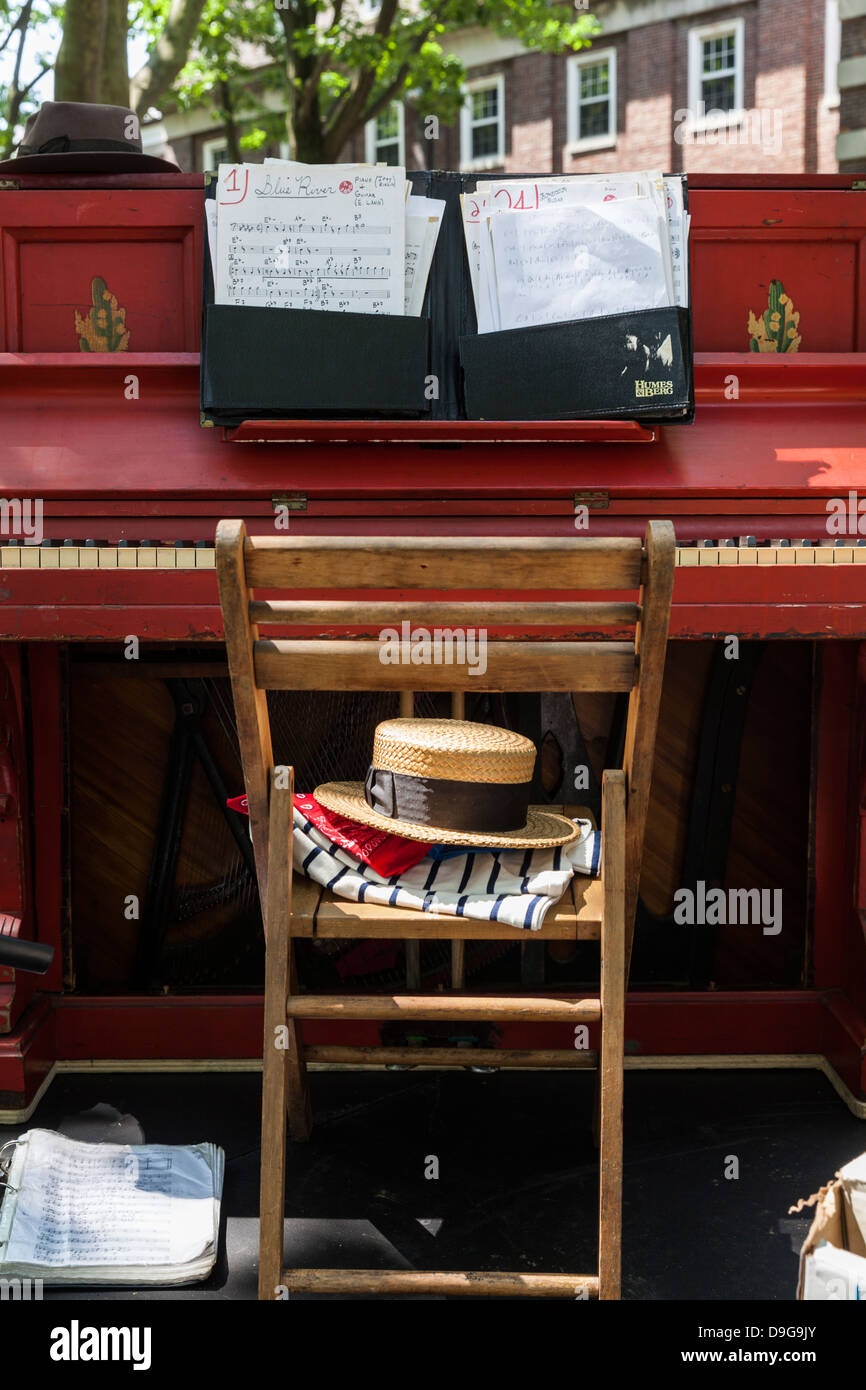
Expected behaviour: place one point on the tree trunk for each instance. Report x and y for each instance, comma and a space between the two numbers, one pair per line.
309, 141
114, 72
230, 125
78, 68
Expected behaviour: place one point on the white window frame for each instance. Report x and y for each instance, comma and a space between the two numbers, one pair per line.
832, 52
371, 144
488, 161
697, 37
576, 144
218, 142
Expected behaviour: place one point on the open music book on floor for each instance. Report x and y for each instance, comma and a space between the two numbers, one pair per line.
102, 1214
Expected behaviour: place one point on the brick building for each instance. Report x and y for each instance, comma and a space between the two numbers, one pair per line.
686, 85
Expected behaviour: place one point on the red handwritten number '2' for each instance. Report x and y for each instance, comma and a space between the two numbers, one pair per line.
230, 185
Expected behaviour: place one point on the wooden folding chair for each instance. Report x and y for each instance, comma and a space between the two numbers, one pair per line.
601, 909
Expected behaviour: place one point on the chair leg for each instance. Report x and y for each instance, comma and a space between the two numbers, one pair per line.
596, 1105
610, 1069
283, 1075
298, 1109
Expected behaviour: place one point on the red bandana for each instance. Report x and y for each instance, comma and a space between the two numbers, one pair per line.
385, 853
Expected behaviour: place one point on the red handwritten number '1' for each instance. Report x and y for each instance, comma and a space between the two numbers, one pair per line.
230, 185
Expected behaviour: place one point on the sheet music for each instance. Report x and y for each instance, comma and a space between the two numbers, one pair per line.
678, 226
317, 237
493, 197
528, 195
109, 1205
473, 207
423, 220
210, 221
578, 262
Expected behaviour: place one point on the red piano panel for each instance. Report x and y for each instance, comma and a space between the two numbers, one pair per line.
813, 242
120, 270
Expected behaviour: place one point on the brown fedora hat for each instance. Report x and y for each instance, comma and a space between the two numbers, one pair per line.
79, 137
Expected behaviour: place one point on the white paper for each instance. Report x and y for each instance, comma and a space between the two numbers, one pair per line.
853, 1177
210, 221
423, 220
678, 233
834, 1276
317, 237
108, 1205
578, 262
530, 195
473, 207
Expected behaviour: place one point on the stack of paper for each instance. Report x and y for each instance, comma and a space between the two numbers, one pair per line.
79, 1213
574, 247
344, 237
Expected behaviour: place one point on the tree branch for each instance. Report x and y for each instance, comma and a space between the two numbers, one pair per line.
15, 27
168, 55
392, 90
347, 111
37, 78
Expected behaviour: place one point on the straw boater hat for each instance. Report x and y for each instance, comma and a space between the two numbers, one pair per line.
449, 782
82, 137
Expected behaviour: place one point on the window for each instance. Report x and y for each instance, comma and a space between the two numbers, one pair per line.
214, 153
385, 137
832, 52
716, 71
482, 124
591, 96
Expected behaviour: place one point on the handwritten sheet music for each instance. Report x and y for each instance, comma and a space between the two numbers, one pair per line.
532, 195
578, 262
316, 237
110, 1205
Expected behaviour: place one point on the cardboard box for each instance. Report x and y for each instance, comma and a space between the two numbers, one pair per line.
833, 1257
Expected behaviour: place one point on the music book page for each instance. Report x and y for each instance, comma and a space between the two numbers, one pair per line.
578, 262
423, 220
83, 1206
311, 237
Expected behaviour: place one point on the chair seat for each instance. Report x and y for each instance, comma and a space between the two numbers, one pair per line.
316, 911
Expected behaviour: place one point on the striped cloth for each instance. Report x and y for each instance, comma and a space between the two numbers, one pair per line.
514, 886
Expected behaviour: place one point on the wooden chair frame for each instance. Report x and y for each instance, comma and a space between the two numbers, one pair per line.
603, 909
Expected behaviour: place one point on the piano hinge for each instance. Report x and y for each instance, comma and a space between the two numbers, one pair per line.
7, 184
595, 501
858, 185
293, 501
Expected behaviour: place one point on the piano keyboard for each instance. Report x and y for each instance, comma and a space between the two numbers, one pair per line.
97, 555
199, 555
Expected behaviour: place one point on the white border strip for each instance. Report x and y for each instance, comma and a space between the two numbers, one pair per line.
758, 1061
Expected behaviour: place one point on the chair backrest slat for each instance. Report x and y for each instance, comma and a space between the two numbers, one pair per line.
359, 665
351, 562
381, 613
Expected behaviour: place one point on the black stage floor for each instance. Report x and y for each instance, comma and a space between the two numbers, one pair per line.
517, 1183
